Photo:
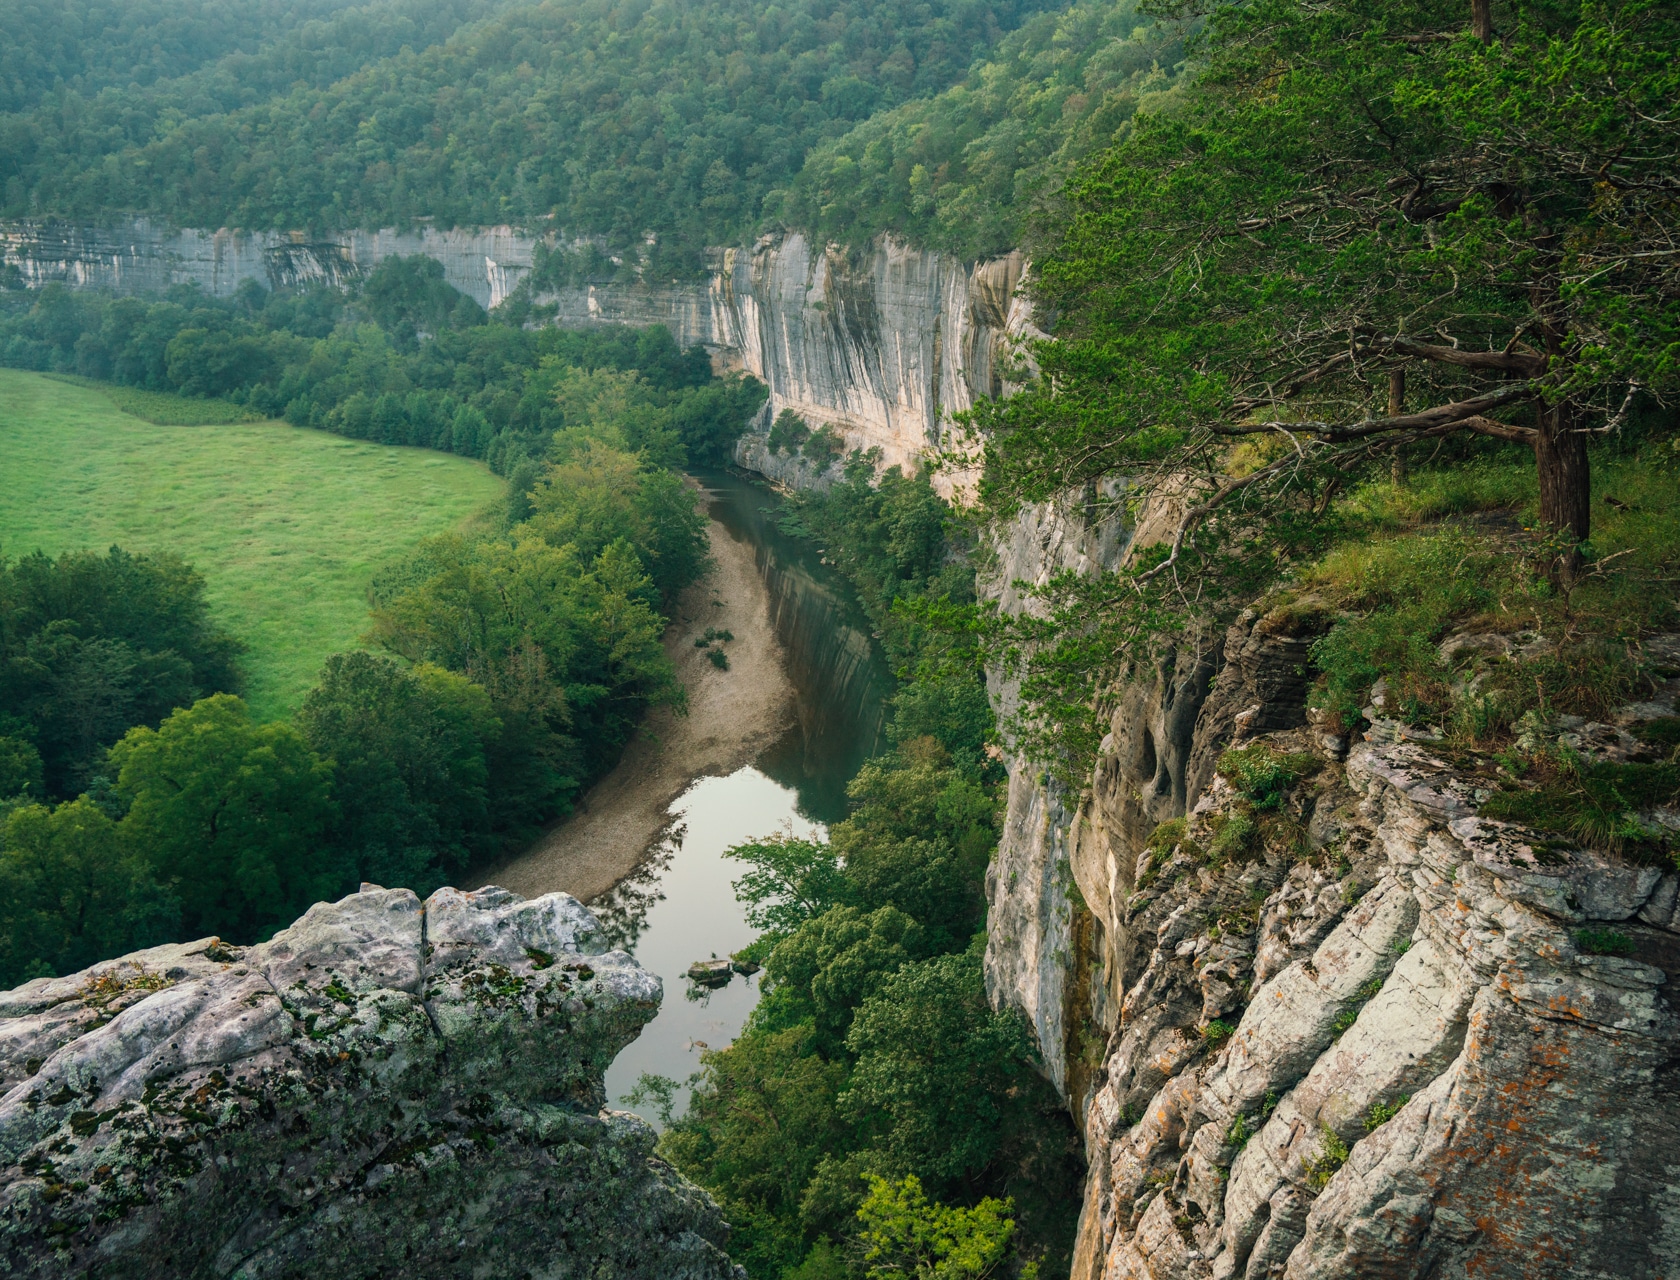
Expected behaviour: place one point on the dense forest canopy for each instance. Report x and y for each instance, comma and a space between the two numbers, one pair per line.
1367, 234
626, 120
511, 660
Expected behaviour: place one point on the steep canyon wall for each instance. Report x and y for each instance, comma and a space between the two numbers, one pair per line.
1359, 1035
884, 347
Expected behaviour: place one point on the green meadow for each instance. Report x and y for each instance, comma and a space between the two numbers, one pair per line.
287, 525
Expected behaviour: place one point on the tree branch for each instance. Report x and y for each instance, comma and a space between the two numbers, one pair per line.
1442, 415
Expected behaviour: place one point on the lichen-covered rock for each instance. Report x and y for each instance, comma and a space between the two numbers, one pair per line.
388, 1087
1421, 1071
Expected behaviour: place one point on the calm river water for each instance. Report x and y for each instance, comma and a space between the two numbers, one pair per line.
679, 907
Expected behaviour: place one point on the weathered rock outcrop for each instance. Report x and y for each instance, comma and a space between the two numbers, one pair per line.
883, 347
1360, 1035
388, 1087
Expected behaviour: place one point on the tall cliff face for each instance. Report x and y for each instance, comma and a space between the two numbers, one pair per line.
1357, 1035
388, 1087
884, 347
141, 256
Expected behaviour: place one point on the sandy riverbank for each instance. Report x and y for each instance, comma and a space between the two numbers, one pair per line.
732, 716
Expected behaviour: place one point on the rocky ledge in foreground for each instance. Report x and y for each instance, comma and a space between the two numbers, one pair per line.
388, 1087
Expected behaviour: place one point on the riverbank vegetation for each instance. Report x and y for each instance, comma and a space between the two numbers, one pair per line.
876, 1097
512, 657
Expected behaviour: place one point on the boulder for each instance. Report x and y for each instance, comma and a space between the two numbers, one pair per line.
388, 1087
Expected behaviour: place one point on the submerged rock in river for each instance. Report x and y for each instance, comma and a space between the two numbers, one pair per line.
387, 1087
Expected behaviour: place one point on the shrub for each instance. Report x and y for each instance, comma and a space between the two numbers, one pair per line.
1216, 1033
719, 658
1596, 803
788, 432
1380, 1113
824, 446
1603, 942
1264, 775
1332, 1155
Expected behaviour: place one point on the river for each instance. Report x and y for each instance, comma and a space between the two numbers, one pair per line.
678, 907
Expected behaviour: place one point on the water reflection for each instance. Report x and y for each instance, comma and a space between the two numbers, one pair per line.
686, 911
679, 906
840, 682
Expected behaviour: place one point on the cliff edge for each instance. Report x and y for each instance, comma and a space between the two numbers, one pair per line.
1317, 1014
388, 1087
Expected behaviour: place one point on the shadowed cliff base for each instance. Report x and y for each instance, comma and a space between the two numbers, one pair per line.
734, 713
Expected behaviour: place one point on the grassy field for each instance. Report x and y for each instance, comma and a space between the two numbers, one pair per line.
286, 525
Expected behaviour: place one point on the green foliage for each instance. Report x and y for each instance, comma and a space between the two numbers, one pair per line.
1350, 1012
791, 881
1603, 942
1332, 1155
1380, 1113
163, 408
946, 1081
408, 749
1230, 286
788, 433
764, 1118
684, 121
823, 448
1235, 836
221, 53
71, 894
874, 1050
91, 645
965, 169
1216, 1033
822, 972
286, 527
231, 814
1596, 804
919, 840
408, 296
1263, 775
427, 372
718, 659
904, 551
906, 1235
567, 648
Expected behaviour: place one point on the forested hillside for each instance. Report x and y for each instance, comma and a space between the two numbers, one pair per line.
621, 120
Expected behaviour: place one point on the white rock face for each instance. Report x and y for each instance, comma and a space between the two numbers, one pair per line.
388, 1087
884, 348
142, 256
1431, 1077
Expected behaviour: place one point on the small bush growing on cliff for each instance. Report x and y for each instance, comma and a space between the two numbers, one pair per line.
824, 446
1380, 1113
1603, 942
1216, 1033
788, 432
1332, 1155
1264, 774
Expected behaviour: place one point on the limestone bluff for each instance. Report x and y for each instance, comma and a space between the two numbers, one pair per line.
884, 346
387, 1087
1376, 1043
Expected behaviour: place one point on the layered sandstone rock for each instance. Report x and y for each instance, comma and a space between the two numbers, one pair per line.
388, 1087
882, 347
